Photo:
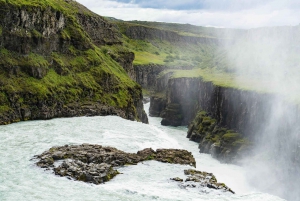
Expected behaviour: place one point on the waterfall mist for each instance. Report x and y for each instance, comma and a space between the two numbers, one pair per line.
268, 59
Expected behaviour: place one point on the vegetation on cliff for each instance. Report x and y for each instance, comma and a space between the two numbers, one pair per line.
54, 54
224, 144
244, 59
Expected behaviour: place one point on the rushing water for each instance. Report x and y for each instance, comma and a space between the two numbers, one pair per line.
21, 180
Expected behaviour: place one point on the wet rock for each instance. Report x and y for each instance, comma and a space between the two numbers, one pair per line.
146, 99
92, 173
178, 156
199, 179
147, 154
177, 179
172, 115
157, 105
95, 163
222, 143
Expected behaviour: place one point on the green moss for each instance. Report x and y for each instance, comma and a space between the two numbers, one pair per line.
36, 33
36, 60
0, 30
230, 136
4, 108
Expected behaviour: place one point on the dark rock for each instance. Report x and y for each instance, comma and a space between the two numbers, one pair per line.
146, 99
177, 156
172, 115
222, 143
95, 163
147, 154
157, 105
87, 172
200, 179
177, 179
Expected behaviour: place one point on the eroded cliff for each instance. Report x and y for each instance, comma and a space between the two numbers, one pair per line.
58, 59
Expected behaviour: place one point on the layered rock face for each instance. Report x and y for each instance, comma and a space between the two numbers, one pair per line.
231, 118
232, 108
146, 75
52, 65
144, 32
157, 105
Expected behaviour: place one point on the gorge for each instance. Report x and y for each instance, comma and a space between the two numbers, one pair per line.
235, 90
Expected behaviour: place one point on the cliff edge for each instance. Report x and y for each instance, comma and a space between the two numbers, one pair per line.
58, 59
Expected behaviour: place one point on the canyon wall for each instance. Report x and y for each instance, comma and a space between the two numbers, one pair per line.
238, 109
143, 32
52, 64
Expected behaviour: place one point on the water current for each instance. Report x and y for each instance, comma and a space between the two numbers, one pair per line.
21, 180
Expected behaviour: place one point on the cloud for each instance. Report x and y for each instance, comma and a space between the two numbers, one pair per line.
217, 13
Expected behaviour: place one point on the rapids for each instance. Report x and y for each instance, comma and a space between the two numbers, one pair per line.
21, 180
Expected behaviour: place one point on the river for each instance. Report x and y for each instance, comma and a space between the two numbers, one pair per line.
21, 180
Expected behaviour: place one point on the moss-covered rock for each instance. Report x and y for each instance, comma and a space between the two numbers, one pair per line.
224, 144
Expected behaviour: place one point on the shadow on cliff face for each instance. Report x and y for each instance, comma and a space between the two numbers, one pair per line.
267, 56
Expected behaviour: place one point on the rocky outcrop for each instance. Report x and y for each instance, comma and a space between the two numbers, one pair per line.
100, 31
125, 59
198, 179
95, 163
172, 115
146, 75
24, 31
223, 144
157, 105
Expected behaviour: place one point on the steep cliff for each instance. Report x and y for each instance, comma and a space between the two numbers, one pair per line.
146, 75
233, 111
58, 59
141, 32
233, 108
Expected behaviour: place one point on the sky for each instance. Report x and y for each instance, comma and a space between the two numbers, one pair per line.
243, 14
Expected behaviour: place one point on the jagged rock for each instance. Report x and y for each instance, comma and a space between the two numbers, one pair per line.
177, 179
95, 163
222, 143
157, 105
172, 115
198, 179
178, 156
87, 172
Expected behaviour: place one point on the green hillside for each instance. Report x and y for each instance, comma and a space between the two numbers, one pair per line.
59, 60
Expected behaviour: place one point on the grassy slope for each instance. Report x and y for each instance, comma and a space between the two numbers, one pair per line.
166, 53
210, 61
84, 71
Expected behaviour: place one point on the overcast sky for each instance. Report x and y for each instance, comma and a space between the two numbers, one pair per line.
216, 13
